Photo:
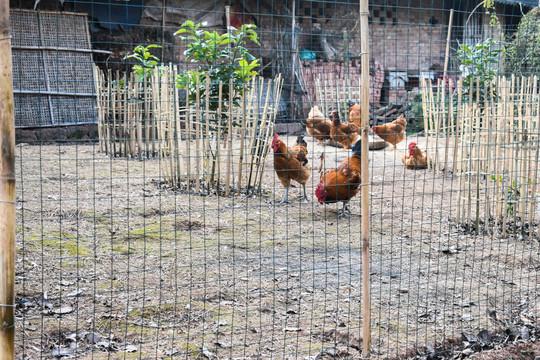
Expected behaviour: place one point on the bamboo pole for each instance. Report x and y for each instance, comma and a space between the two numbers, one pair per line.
218, 160
366, 297
242, 139
97, 87
188, 137
458, 158
446, 57
229, 138
177, 132
501, 89
197, 137
278, 82
207, 143
260, 138
533, 128
7, 191
254, 115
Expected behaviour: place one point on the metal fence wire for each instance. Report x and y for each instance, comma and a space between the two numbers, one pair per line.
177, 198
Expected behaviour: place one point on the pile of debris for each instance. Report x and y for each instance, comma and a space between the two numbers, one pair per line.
410, 105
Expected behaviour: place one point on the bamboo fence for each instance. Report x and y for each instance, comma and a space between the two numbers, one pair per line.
335, 92
492, 145
146, 119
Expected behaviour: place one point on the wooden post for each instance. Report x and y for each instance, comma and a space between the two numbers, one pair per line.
7, 191
366, 300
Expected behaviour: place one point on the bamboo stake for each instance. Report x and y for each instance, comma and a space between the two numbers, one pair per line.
425, 112
125, 116
318, 89
7, 190
446, 57
188, 138
523, 149
110, 113
487, 153
366, 297
431, 121
260, 138
114, 119
207, 142
325, 96
242, 139
254, 116
138, 118
197, 137
458, 158
532, 129
278, 86
146, 120
97, 87
229, 137
457, 123
218, 160
501, 89
177, 132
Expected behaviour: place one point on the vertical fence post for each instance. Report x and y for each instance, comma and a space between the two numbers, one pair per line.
7, 190
366, 301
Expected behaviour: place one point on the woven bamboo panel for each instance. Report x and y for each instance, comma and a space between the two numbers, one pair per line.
53, 79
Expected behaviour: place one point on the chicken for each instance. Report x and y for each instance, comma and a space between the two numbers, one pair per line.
393, 132
345, 134
291, 164
355, 115
317, 125
341, 183
401, 121
300, 150
416, 159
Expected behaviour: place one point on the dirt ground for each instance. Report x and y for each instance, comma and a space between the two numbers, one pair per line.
113, 263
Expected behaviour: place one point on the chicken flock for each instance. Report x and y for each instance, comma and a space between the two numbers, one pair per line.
342, 183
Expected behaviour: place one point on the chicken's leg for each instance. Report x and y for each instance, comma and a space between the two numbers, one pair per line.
285, 199
341, 213
304, 197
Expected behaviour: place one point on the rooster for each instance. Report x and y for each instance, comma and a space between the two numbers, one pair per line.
291, 164
317, 125
416, 159
345, 134
342, 183
355, 115
393, 132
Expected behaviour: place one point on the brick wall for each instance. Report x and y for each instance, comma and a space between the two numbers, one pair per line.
318, 69
403, 36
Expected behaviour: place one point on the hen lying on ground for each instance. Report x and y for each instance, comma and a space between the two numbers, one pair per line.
416, 159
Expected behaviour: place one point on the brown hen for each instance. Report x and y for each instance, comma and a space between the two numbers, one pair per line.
416, 159
345, 134
393, 132
291, 164
317, 125
341, 183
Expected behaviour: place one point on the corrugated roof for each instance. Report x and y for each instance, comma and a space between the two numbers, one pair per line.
529, 3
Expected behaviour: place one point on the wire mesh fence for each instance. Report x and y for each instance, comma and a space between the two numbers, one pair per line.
210, 206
